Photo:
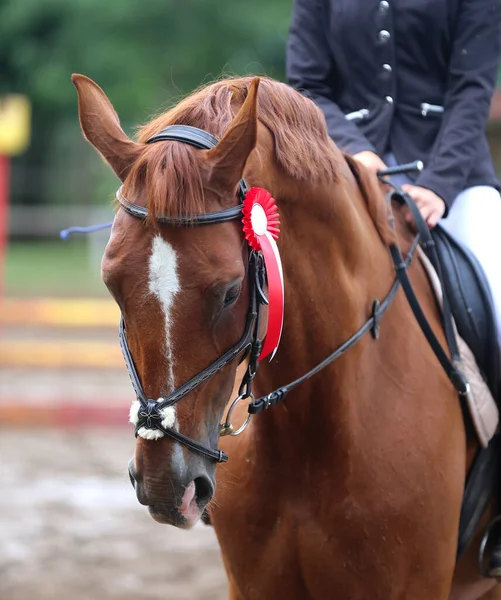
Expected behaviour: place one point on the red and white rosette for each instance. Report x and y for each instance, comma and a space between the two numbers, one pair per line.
261, 226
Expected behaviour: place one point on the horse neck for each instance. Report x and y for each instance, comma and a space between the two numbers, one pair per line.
335, 265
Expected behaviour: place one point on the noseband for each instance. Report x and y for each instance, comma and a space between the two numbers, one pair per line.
150, 411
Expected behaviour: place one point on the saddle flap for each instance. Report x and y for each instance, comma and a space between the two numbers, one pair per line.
480, 402
472, 307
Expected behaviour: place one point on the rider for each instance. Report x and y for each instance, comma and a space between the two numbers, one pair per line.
404, 81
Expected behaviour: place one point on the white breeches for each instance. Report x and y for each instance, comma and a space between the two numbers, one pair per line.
475, 220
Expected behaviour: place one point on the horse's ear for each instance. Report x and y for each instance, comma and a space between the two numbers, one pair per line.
228, 158
101, 126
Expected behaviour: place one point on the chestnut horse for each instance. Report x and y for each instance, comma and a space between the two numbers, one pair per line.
351, 488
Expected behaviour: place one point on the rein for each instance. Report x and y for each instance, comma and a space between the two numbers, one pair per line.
150, 411
371, 325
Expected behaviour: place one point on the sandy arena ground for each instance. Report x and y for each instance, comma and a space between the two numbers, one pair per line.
71, 527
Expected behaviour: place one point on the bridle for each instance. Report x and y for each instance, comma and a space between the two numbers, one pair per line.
249, 345
150, 411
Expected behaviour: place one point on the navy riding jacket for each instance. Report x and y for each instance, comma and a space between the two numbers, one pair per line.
414, 77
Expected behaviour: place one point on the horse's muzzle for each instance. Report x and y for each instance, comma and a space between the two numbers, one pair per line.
184, 504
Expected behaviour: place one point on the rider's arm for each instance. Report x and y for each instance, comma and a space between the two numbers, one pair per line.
311, 70
472, 76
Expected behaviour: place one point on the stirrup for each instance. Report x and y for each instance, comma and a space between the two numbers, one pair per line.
492, 535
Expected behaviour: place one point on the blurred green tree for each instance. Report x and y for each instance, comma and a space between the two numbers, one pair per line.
145, 55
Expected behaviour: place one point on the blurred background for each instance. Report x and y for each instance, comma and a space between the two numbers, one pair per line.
70, 524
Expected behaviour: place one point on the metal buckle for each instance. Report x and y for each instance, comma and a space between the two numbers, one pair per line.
267, 402
467, 391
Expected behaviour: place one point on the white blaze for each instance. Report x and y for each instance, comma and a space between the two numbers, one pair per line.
164, 284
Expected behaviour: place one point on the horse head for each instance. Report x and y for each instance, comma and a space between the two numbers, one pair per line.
182, 291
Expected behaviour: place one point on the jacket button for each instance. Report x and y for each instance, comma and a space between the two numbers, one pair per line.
389, 100
387, 68
384, 36
384, 6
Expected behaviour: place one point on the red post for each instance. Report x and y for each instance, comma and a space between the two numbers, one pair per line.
4, 216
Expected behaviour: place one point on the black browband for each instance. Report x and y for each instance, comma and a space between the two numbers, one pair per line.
210, 218
193, 136
203, 140
149, 414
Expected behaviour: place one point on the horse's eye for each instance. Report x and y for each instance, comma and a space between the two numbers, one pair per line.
232, 294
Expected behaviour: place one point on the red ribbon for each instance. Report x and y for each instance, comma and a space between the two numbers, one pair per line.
261, 226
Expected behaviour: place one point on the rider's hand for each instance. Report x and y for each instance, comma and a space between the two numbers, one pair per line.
370, 160
431, 206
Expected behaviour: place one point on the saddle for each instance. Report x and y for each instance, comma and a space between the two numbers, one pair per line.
467, 300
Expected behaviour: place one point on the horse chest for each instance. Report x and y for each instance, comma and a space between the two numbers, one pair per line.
276, 549
298, 548
286, 558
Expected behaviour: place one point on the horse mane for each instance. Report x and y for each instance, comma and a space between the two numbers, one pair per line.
170, 172
379, 210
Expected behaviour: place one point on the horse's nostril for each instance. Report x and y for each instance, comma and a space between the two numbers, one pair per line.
204, 490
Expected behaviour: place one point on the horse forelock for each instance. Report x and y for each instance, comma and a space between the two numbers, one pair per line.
170, 172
